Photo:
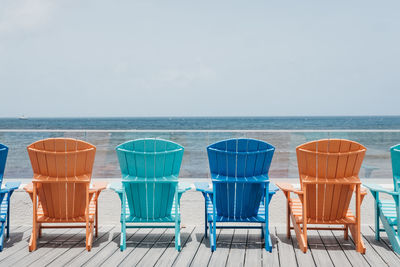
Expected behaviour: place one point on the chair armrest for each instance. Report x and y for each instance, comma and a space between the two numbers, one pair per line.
98, 186
117, 187
29, 188
12, 185
363, 191
203, 187
286, 187
273, 188
183, 187
378, 188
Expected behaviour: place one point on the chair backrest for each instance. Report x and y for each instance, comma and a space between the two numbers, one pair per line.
234, 164
150, 170
3, 159
334, 161
62, 169
395, 156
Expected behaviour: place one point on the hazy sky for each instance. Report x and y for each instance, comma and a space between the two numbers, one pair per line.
199, 58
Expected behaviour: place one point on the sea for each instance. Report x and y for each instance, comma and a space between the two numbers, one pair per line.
377, 133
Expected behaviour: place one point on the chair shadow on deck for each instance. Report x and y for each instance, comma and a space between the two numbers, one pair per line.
252, 241
138, 240
65, 240
16, 238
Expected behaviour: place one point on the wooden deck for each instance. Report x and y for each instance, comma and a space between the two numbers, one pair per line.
155, 247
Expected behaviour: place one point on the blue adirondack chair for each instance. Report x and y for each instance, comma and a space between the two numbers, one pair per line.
150, 191
5, 195
241, 190
387, 210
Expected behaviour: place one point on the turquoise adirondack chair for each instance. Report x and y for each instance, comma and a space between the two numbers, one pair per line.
5, 195
241, 190
150, 191
387, 210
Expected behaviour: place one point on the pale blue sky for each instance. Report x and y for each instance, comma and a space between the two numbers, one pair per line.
199, 58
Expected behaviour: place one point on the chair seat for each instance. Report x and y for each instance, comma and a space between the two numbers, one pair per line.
297, 209
150, 219
45, 219
388, 208
259, 218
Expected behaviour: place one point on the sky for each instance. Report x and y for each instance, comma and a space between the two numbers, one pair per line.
82, 58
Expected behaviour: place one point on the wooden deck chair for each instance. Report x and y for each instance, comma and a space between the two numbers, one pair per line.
241, 190
5, 195
328, 171
60, 190
387, 210
150, 192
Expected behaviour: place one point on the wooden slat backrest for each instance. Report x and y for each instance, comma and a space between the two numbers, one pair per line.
325, 160
395, 157
62, 171
243, 160
3, 159
150, 168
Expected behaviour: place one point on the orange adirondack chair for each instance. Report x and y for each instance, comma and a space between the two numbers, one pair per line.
60, 188
328, 171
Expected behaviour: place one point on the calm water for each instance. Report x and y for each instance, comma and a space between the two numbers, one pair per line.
207, 123
195, 164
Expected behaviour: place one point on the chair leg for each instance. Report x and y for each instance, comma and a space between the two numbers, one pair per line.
97, 221
288, 219
360, 247
8, 219
2, 236
122, 243
212, 238
267, 238
177, 236
205, 219
89, 236
346, 232
33, 239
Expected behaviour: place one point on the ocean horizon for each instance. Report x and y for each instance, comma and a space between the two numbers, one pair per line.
206, 123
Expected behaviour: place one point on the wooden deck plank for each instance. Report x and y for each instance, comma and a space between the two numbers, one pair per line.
110, 249
138, 253
79, 248
47, 237
133, 239
287, 256
334, 250
158, 249
271, 258
253, 249
348, 247
385, 239
318, 249
52, 251
385, 252
224, 242
170, 254
98, 244
236, 256
18, 240
203, 254
303, 259
186, 256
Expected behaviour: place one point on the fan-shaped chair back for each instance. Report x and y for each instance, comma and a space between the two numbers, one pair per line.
150, 169
395, 156
235, 165
324, 167
62, 168
3, 159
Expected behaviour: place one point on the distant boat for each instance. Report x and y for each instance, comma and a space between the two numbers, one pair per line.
23, 118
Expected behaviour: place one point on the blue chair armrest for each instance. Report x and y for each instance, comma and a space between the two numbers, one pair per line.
12, 185
273, 188
203, 187
378, 188
183, 187
117, 187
